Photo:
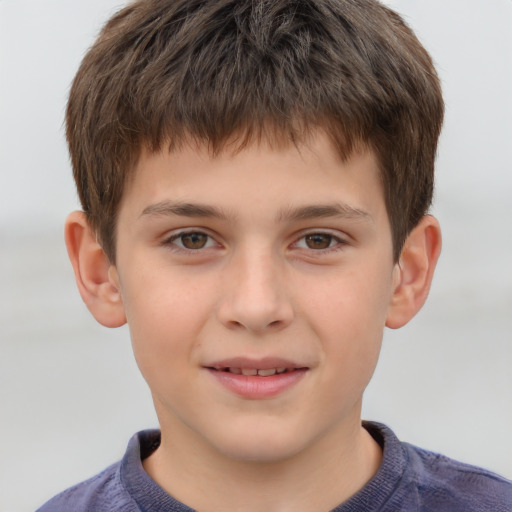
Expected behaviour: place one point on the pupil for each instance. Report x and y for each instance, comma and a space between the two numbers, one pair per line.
194, 240
318, 241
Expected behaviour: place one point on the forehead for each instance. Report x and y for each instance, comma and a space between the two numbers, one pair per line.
283, 177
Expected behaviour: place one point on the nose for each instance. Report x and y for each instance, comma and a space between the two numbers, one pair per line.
254, 296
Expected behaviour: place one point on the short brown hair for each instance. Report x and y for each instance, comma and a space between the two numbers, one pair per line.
166, 71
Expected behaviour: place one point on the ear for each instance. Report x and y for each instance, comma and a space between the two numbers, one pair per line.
96, 278
414, 272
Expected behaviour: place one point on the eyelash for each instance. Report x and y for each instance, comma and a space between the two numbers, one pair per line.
338, 242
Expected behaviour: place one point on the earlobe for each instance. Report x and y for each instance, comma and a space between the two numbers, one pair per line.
95, 277
414, 272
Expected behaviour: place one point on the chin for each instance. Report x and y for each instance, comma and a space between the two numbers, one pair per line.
261, 453
261, 445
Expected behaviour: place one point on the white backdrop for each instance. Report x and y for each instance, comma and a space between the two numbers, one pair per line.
70, 394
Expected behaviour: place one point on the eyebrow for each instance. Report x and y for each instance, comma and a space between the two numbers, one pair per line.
165, 208
342, 210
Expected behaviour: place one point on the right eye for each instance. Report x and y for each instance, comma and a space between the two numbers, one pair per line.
191, 241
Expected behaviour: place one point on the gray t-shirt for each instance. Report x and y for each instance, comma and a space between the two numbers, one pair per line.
409, 480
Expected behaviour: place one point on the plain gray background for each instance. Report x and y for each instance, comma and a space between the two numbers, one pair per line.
70, 393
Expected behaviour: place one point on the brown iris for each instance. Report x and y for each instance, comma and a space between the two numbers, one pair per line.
318, 241
194, 240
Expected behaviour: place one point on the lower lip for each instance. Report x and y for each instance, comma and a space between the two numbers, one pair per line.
257, 388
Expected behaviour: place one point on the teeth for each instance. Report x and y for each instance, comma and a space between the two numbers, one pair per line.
252, 372
267, 373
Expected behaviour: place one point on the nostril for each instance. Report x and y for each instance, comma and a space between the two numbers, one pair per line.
235, 324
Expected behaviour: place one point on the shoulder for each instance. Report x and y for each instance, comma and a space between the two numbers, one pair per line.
101, 492
414, 479
447, 484
115, 488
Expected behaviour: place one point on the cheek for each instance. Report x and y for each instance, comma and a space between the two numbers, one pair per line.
348, 318
165, 317
353, 303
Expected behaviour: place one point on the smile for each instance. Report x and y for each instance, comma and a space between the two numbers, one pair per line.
257, 383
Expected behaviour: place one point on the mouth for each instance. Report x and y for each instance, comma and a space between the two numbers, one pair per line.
256, 380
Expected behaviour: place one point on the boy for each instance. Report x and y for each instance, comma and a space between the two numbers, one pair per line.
255, 178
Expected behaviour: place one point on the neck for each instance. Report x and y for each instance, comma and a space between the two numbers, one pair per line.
318, 478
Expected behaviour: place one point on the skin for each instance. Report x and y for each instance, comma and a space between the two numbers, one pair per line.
266, 253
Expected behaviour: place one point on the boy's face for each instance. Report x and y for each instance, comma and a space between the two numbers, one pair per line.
264, 260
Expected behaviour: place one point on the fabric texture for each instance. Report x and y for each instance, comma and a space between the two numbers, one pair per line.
410, 479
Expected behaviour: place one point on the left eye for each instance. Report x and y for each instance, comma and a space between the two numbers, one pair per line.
318, 241
192, 241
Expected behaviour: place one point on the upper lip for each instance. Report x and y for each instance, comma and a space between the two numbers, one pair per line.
258, 364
